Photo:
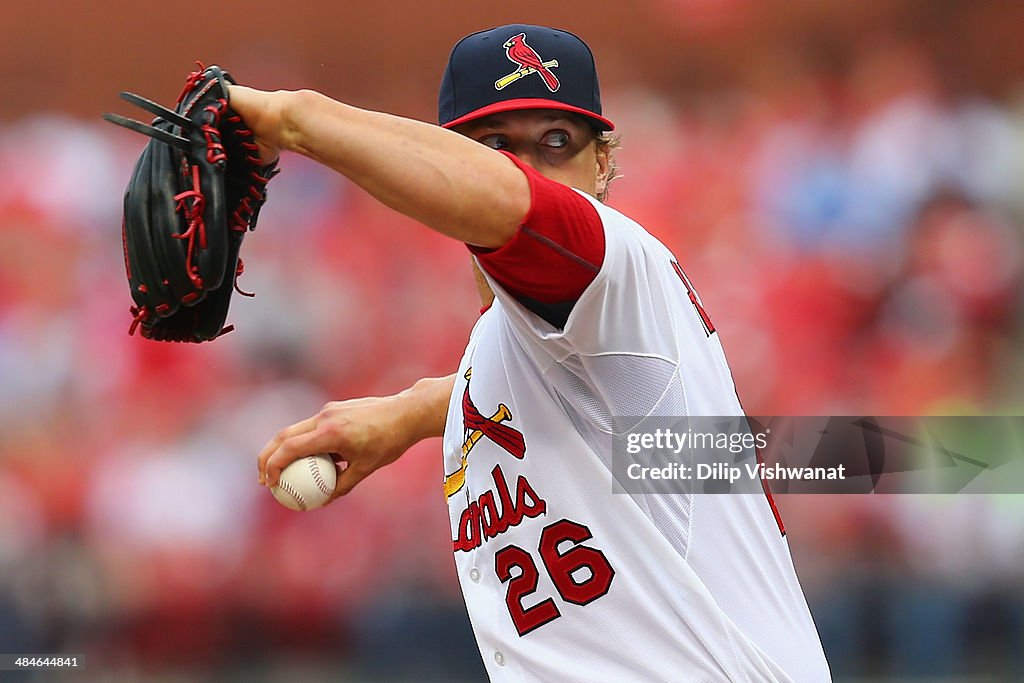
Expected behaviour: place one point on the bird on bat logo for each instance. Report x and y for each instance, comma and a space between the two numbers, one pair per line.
478, 426
529, 62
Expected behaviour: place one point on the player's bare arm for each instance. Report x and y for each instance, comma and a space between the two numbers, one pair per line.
447, 182
365, 433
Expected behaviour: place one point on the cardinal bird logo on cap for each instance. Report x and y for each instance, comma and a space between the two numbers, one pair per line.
518, 52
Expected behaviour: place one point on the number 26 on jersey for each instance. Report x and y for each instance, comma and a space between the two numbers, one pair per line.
580, 573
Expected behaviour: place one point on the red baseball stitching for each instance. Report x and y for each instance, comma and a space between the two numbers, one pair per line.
314, 469
287, 488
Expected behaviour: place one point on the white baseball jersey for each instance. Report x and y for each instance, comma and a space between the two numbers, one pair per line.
565, 580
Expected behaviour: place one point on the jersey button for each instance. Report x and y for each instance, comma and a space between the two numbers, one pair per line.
474, 575
499, 658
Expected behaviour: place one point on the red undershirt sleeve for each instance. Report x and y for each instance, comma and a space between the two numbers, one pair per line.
556, 252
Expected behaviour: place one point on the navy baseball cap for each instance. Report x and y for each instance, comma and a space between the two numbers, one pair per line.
520, 66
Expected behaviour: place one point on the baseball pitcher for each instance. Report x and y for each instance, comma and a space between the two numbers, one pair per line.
587, 317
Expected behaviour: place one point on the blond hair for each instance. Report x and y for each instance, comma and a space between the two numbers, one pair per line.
608, 142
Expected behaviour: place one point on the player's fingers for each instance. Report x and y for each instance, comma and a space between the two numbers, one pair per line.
301, 427
347, 480
340, 465
294, 447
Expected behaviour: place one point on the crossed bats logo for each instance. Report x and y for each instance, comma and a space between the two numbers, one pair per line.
477, 427
529, 62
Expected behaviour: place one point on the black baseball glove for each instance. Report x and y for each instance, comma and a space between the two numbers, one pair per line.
196, 189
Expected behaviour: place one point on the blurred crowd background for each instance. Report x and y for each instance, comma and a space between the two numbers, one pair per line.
843, 182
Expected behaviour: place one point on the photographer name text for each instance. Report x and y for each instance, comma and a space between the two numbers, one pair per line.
732, 473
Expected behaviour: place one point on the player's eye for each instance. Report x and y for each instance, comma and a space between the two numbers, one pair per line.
556, 138
495, 141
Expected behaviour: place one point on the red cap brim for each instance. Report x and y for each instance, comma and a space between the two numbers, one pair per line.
530, 103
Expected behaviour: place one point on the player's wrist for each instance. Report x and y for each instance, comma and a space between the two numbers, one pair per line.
262, 112
424, 406
288, 106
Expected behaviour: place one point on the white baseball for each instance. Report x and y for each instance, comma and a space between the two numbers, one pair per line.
306, 483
